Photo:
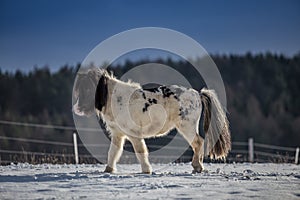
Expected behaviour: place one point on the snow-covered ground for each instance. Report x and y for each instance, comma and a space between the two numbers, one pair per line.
169, 181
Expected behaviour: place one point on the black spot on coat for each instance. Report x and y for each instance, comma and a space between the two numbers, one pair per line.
154, 90
152, 101
183, 113
151, 87
146, 107
166, 91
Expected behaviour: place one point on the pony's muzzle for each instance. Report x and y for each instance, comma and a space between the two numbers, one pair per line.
77, 110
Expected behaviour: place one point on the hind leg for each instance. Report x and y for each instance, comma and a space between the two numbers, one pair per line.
115, 152
141, 153
197, 162
189, 131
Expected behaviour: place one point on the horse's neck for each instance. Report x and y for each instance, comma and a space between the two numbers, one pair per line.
118, 86
117, 89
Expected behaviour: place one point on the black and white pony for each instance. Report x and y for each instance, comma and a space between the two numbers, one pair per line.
133, 113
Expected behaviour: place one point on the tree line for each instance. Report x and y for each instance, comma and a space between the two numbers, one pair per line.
263, 98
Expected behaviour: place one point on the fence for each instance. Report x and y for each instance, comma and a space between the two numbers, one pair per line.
254, 151
247, 151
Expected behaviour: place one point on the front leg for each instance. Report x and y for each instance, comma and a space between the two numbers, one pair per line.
141, 153
115, 152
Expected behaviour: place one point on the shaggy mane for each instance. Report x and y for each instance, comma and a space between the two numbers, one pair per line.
110, 75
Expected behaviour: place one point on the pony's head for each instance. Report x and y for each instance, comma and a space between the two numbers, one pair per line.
89, 91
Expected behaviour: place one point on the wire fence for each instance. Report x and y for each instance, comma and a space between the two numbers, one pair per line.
73, 152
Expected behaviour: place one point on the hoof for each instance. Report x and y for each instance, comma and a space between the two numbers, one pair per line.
108, 169
197, 170
148, 172
146, 169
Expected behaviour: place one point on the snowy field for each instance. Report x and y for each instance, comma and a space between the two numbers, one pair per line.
169, 181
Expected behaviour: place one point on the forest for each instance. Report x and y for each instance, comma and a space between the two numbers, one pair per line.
263, 98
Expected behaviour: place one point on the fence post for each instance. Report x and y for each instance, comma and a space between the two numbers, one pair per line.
297, 155
250, 150
75, 148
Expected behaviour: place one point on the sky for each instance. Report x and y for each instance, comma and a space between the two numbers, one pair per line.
58, 32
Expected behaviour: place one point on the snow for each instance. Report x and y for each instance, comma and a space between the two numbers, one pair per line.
169, 181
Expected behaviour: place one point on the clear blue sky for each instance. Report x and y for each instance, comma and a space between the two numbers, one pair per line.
57, 32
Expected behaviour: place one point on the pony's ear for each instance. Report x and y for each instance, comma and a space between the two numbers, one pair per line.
101, 93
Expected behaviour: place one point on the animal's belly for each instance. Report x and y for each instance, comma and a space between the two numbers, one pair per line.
158, 131
154, 125
157, 120
143, 121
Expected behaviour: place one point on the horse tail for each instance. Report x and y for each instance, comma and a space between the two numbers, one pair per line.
215, 125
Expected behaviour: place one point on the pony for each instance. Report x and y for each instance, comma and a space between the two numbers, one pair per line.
133, 113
